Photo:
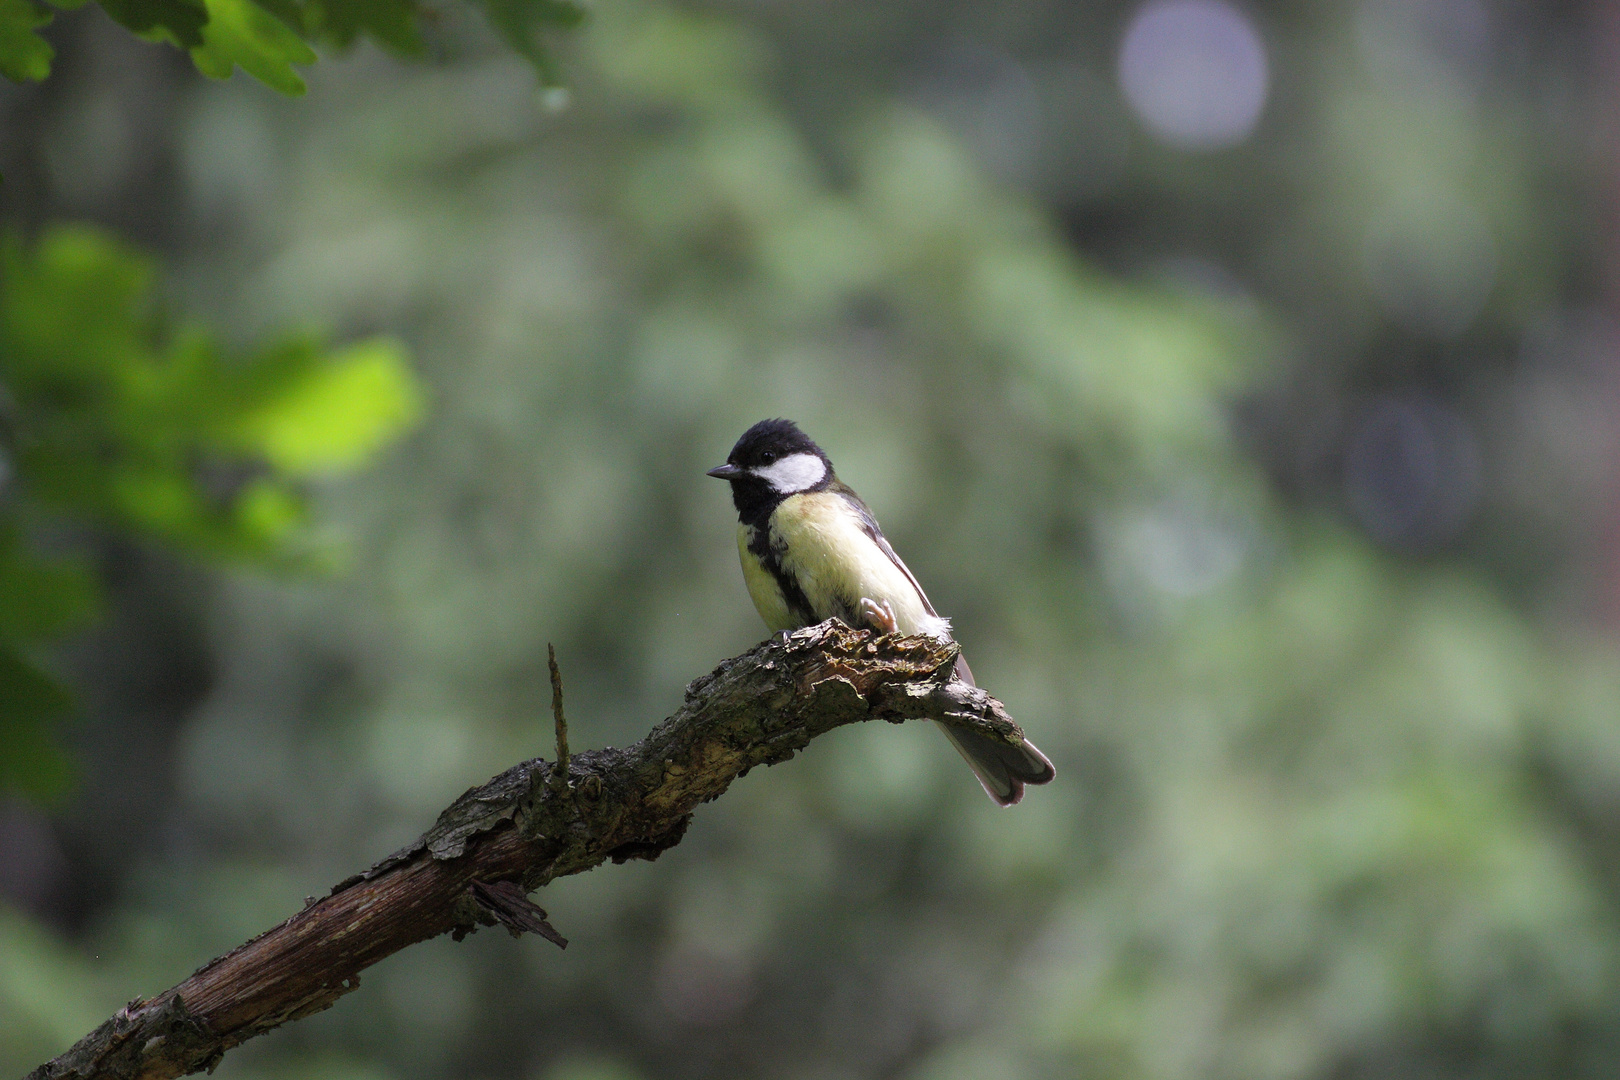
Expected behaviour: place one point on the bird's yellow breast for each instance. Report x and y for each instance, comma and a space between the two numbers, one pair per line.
762, 588
820, 542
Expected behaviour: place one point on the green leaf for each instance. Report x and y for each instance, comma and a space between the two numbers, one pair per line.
70, 314
337, 414
24, 55
116, 420
520, 24
268, 511
392, 22
240, 33
161, 500
39, 598
178, 22
163, 434
265, 38
31, 703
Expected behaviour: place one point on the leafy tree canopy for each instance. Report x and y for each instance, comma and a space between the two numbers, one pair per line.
266, 38
114, 416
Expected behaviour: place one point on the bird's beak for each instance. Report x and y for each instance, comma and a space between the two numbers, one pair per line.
724, 472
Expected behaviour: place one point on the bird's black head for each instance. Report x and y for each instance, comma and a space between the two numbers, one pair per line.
768, 442
772, 460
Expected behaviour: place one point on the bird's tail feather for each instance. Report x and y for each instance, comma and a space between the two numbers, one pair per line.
1002, 768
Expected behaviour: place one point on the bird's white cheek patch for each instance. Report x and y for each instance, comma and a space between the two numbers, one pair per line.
796, 472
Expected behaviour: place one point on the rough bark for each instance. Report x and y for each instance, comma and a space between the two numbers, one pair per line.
530, 824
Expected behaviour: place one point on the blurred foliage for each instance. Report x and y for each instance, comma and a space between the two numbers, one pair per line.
266, 39
114, 418
1333, 802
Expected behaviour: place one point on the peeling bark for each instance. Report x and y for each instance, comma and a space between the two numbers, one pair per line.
529, 825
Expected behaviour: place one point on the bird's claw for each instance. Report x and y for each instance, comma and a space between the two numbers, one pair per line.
878, 616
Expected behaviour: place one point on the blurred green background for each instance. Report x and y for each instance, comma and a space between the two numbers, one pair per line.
1241, 379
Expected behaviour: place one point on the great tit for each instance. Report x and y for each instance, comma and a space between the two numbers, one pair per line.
811, 550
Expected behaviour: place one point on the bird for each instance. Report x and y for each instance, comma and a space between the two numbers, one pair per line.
811, 550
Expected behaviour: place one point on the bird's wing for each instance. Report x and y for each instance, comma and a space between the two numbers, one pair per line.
869, 526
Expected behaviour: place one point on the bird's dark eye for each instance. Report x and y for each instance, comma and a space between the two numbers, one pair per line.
767, 457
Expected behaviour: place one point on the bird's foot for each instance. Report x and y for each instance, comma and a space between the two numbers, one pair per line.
879, 617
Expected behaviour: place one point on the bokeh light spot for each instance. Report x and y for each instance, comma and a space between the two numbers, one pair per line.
1194, 72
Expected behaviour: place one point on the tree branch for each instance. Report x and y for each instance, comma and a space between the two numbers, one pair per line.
498, 842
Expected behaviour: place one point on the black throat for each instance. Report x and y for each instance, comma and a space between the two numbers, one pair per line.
754, 499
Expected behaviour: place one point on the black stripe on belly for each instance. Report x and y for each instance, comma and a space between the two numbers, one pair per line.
760, 546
